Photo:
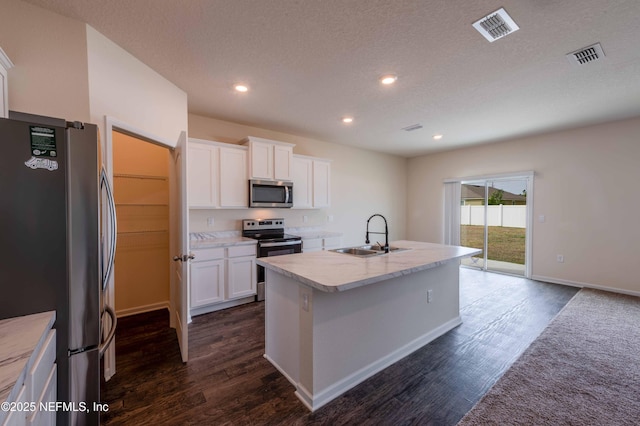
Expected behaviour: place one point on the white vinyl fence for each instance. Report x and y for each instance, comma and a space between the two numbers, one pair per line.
500, 215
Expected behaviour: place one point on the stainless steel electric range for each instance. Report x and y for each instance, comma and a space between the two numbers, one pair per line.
272, 241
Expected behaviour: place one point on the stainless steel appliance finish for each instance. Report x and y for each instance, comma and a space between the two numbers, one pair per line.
272, 241
270, 193
50, 244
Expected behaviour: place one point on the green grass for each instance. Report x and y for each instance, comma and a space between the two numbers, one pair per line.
505, 244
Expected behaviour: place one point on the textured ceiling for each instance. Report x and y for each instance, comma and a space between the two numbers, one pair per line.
309, 63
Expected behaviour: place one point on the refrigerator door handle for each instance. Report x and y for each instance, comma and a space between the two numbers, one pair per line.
112, 332
113, 230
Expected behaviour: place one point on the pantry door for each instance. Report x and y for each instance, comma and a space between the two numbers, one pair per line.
180, 247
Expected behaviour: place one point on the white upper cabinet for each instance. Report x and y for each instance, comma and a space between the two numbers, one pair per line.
282, 162
203, 182
302, 182
233, 177
5, 65
321, 183
261, 160
269, 160
311, 182
217, 175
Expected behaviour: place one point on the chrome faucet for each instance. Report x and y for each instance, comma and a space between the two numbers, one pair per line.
386, 232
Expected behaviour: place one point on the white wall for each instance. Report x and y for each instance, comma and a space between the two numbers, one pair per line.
49, 52
362, 183
122, 87
579, 175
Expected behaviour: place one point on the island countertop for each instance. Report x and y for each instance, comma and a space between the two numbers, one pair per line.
329, 271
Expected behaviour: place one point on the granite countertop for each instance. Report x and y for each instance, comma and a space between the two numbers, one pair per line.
329, 271
314, 234
19, 338
221, 242
204, 240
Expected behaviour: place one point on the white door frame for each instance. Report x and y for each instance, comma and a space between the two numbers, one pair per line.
529, 175
111, 124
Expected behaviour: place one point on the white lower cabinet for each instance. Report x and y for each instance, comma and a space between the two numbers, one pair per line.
17, 418
222, 277
242, 276
319, 244
49, 394
311, 244
331, 243
207, 277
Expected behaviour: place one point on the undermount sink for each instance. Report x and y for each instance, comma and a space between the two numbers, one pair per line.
381, 248
357, 251
367, 250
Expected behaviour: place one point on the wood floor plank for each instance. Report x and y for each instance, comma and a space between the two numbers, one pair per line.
228, 381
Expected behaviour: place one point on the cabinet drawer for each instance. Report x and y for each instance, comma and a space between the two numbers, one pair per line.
208, 254
39, 372
244, 250
333, 242
311, 243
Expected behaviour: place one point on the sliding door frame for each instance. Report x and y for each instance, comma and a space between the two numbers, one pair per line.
455, 220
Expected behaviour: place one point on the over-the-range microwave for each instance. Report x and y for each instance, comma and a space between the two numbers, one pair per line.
270, 193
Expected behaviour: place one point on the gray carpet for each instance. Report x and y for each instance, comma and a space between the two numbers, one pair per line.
584, 369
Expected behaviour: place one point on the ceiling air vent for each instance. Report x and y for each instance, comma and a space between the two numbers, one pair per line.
412, 127
496, 25
586, 55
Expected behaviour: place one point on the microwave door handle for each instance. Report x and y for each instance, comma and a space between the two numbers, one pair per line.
287, 196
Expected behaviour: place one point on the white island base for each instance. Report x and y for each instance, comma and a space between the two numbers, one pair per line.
325, 343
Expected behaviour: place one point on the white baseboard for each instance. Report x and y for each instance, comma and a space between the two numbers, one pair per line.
313, 402
142, 309
584, 285
275, 364
223, 305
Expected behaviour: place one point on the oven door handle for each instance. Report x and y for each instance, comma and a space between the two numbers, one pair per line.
284, 243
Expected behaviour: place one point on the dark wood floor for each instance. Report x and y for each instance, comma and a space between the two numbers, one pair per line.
228, 382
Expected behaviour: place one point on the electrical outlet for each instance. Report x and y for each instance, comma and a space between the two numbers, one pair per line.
305, 219
210, 221
330, 218
560, 258
305, 302
429, 296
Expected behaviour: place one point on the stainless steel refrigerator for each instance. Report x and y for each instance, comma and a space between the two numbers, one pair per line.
57, 245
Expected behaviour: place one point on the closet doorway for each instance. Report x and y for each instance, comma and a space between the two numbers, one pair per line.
141, 191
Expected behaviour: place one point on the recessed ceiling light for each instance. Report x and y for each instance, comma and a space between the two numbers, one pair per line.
347, 120
437, 137
388, 79
241, 88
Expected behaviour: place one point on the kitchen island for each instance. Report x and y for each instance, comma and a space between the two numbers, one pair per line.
332, 320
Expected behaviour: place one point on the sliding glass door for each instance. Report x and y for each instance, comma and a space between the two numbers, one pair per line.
494, 218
